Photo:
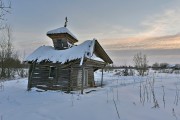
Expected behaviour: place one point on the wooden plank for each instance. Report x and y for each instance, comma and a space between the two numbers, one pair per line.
83, 79
29, 77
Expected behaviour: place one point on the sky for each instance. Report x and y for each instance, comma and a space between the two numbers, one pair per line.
122, 27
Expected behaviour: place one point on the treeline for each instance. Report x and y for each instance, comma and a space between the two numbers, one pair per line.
142, 67
157, 66
10, 64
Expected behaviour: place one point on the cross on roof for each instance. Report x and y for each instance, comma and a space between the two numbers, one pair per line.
66, 20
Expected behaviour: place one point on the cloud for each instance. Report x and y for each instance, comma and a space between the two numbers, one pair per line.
105, 31
161, 31
166, 23
162, 42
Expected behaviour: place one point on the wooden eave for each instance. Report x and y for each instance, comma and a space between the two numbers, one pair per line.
94, 63
99, 51
63, 35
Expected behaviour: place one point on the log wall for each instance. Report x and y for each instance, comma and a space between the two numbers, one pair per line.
68, 78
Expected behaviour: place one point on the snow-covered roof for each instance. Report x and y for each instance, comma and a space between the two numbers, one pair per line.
61, 30
48, 53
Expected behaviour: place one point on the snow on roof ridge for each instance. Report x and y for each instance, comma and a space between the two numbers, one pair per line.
61, 30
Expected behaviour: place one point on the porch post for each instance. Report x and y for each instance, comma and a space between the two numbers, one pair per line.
102, 78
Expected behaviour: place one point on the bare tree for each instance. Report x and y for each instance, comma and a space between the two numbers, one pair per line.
141, 63
9, 50
5, 6
7, 57
2, 57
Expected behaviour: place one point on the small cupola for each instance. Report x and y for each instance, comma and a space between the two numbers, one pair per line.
62, 38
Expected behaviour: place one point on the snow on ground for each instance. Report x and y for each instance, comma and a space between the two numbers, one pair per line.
120, 95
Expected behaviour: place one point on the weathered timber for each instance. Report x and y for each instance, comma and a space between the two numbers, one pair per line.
29, 77
70, 39
102, 78
83, 80
70, 76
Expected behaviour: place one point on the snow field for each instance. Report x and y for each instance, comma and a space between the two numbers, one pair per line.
120, 95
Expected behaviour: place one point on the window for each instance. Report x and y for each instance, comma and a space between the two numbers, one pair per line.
52, 72
62, 43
